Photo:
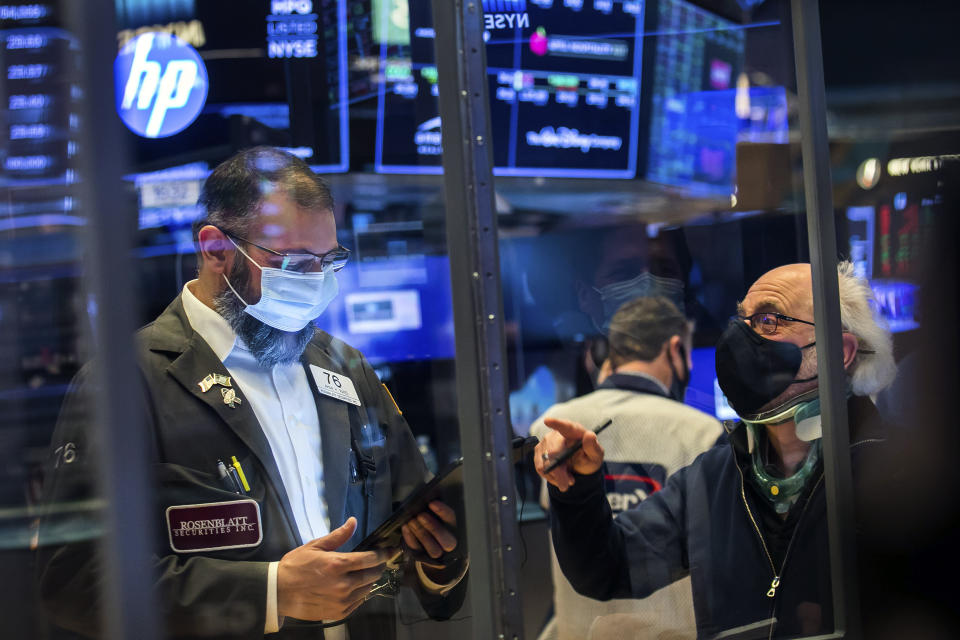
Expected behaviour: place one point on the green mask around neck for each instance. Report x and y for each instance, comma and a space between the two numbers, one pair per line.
783, 492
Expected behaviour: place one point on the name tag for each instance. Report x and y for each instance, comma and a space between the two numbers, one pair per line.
335, 385
214, 526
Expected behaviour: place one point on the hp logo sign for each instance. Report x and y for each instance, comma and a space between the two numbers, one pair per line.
161, 85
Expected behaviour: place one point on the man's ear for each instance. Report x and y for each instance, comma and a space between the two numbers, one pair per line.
675, 349
850, 346
606, 370
215, 248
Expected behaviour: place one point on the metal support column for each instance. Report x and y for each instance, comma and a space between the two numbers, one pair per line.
821, 231
129, 610
483, 410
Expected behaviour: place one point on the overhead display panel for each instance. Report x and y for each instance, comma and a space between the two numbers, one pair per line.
276, 74
700, 102
564, 88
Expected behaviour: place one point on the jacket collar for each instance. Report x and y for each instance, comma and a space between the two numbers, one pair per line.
192, 360
633, 382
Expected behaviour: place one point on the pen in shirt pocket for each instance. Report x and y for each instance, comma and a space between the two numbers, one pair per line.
228, 477
237, 469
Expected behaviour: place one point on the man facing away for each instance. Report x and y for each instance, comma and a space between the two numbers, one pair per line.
652, 435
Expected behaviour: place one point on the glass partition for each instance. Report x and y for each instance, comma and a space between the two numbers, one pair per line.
47, 308
294, 371
622, 294
306, 347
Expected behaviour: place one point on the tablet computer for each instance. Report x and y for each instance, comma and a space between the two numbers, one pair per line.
446, 486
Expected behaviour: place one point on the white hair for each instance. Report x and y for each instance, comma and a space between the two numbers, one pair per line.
870, 372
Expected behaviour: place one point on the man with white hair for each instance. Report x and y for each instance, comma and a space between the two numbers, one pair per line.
746, 522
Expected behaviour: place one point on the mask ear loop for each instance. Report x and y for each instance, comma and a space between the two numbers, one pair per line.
227, 280
686, 367
812, 378
239, 297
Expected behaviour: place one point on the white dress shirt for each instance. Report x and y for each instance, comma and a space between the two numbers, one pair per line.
283, 402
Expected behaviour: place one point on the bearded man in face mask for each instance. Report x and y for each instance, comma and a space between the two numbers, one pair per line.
275, 448
746, 521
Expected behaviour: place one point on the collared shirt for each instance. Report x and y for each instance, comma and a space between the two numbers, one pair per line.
283, 402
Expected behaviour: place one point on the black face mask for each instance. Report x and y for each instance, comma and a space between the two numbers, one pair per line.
753, 370
678, 387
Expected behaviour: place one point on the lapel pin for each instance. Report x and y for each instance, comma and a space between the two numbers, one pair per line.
214, 379
230, 398
207, 383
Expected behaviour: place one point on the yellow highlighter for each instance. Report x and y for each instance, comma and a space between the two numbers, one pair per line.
243, 478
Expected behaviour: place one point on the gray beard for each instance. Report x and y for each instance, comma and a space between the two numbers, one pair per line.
268, 345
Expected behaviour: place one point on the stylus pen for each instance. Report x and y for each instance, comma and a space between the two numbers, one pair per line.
569, 453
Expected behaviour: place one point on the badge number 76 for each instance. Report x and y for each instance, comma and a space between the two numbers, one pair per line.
332, 378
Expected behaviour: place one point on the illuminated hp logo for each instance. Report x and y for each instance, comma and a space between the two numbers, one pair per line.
161, 85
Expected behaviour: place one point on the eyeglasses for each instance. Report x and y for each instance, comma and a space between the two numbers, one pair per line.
768, 322
305, 262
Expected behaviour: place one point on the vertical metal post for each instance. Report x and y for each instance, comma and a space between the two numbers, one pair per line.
128, 611
485, 434
821, 231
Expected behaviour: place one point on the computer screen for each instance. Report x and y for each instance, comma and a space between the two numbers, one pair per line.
704, 392
700, 103
563, 88
410, 318
886, 246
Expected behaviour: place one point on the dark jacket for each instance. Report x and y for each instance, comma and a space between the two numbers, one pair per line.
709, 522
222, 593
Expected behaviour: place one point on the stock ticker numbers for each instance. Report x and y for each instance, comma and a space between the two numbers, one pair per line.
39, 97
41, 310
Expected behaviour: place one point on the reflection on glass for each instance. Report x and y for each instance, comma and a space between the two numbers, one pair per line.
681, 114
276, 448
43, 306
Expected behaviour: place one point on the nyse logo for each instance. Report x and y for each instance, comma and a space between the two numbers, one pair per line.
505, 14
161, 85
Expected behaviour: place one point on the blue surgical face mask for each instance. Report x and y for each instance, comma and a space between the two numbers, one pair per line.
646, 285
289, 301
